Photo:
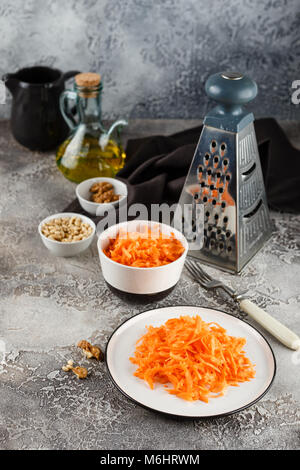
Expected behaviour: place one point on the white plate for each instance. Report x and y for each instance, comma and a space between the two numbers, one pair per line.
121, 346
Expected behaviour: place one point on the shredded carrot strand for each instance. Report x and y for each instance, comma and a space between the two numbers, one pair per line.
194, 359
144, 250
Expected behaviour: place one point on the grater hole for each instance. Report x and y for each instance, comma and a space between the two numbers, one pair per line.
200, 168
205, 199
216, 159
196, 196
209, 228
250, 214
223, 205
191, 237
248, 172
202, 184
214, 202
227, 234
225, 220
229, 249
219, 231
221, 245
211, 187
228, 177
218, 174
216, 216
207, 157
220, 190
225, 161
213, 145
207, 213
209, 171
223, 147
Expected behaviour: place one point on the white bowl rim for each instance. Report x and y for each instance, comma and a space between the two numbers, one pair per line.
62, 215
186, 248
102, 178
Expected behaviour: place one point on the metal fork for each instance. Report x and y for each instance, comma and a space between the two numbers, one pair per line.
273, 326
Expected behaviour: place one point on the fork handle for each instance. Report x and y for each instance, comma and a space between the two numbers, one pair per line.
273, 326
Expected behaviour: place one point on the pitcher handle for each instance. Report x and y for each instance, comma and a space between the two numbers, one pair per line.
104, 138
69, 74
10, 81
119, 123
64, 99
68, 114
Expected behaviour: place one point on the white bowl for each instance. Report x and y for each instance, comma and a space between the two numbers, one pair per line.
140, 280
67, 248
95, 208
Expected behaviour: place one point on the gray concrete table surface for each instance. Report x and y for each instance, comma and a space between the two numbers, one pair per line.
47, 304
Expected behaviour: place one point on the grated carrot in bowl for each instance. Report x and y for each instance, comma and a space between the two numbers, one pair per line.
146, 249
195, 360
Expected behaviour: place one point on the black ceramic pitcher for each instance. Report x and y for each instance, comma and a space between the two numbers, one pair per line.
36, 120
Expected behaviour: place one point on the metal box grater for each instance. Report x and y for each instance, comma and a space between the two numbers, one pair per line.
225, 178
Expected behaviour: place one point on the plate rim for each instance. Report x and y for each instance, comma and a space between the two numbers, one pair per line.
174, 415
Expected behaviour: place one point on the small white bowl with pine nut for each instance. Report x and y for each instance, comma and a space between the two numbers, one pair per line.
67, 233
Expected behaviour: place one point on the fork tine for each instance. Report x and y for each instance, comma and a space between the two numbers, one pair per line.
190, 263
205, 280
192, 270
196, 278
200, 271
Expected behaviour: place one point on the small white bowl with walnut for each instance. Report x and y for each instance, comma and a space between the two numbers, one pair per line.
99, 195
67, 234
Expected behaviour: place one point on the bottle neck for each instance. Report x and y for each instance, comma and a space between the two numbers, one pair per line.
89, 103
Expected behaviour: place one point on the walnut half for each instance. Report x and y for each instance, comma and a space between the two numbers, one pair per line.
90, 350
80, 372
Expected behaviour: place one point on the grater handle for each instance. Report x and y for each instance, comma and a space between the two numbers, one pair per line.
273, 326
231, 90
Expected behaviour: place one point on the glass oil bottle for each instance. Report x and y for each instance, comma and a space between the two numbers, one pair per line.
90, 150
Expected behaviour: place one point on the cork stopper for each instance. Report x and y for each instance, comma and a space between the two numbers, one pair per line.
87, 79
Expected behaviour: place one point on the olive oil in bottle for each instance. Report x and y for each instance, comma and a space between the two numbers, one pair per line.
90, 150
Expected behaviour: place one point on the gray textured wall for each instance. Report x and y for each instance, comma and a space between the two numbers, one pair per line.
155, 55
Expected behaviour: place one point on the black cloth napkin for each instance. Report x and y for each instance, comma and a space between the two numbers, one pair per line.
157, 167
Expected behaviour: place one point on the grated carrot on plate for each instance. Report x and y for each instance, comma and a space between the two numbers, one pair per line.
144, 250
194, 359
